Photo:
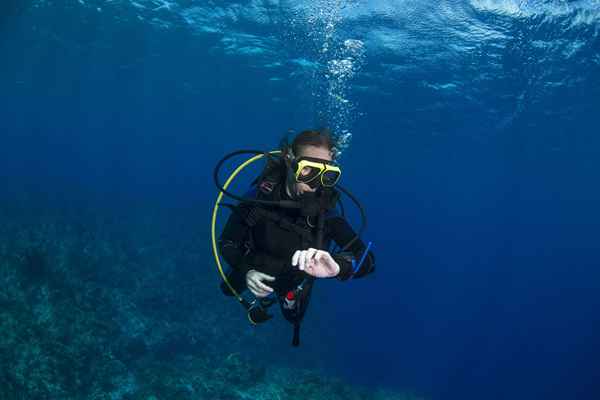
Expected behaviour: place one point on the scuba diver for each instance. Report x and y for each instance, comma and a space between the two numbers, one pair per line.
278, 238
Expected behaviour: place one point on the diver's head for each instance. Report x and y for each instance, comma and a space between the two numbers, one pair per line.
310, 163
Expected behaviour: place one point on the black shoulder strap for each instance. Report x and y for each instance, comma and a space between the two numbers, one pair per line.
273, 173
296, 338
257, 213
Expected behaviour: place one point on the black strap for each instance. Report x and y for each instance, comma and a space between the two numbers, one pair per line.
296, 339
256, 213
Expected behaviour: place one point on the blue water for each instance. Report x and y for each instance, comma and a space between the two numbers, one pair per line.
472, 140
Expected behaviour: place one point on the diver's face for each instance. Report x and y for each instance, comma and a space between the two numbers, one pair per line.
297, 188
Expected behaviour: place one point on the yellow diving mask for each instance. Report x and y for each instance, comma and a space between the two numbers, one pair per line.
315, 171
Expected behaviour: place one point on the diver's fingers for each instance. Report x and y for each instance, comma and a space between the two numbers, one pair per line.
262, 276
319, 256
261, 294
310, 261
258, 292
264, 287
310, 254
253, 288
302, 260
323, 255
296, 257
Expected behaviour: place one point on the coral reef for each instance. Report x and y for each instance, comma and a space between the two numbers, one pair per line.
110, 309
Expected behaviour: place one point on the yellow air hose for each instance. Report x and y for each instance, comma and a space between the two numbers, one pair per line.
214, 220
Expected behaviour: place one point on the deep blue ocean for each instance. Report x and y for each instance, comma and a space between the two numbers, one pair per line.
471, 136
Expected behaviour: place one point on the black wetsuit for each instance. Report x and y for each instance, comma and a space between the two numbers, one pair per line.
251, 241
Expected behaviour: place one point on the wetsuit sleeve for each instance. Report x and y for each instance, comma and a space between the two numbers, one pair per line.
342, 233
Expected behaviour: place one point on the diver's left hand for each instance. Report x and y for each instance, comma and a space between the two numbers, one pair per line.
317, 263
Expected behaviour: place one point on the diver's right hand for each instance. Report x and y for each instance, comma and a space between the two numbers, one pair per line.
254, 281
